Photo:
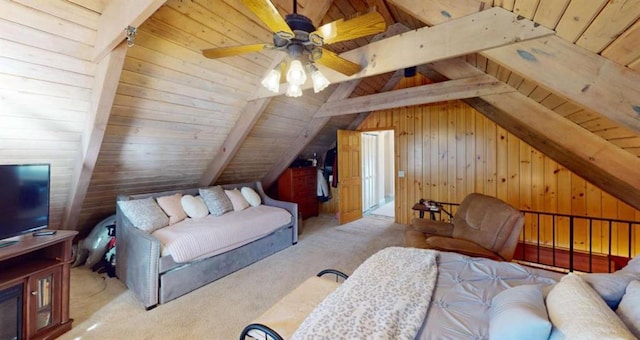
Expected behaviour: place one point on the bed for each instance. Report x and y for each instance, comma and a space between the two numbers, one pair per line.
406, 293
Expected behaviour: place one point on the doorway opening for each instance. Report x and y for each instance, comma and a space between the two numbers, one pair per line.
378, 163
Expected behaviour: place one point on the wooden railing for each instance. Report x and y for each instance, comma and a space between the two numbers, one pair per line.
563, 250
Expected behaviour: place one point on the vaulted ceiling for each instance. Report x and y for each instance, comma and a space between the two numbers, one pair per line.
563, 75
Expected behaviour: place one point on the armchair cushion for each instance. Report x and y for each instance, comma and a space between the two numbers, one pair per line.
460, 246
433, 227
486, 221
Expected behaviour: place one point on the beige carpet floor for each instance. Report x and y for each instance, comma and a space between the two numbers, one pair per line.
387, 209
102, 307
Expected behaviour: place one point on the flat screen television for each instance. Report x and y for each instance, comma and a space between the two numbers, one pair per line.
24, 198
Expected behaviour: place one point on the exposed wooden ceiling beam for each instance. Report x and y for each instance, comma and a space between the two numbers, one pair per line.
232, 143
560, 66
585, 78
593, 158
103, 94
604, 164
252, 112
344, 90
484, 30
432, 93
434, 12
390, 85
116, 17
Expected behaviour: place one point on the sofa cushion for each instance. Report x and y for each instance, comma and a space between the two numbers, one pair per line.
237, 200
194, 207
172, 206
251, 196
145, 214
216, 200
193, 239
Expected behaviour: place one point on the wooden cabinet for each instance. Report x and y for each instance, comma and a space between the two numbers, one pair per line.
299, 185
41, 266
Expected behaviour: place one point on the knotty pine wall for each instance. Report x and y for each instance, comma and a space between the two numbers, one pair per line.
46, 78
448, 150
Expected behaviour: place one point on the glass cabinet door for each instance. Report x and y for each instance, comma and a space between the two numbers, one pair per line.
44, 304
44, 301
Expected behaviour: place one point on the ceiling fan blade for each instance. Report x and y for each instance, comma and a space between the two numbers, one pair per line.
268, 13
221, 52
334, 61
360, 26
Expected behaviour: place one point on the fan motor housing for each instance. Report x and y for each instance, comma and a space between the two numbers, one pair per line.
299, 22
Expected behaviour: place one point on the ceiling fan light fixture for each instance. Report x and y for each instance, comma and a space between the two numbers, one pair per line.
272, 80
296, 74
320, 82
294, 90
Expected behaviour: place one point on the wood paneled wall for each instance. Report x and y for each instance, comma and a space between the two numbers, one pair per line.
46, 78
448, 150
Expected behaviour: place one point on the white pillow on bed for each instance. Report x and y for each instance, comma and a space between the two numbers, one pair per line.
172, 206
629, 308
578, 312
251, 196
238, 201
610, 286
194, 207
519, 313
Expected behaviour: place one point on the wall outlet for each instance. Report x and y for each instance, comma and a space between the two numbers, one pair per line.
400, 173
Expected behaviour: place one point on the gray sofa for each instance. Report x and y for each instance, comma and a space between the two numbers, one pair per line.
158, 279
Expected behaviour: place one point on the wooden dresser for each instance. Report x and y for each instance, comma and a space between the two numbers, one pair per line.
299, 185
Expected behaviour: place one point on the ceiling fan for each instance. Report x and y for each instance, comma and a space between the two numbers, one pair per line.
303, 43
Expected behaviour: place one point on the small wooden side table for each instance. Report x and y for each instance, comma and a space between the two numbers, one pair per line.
437, 208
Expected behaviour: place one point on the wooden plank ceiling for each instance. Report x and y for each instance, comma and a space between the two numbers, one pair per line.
180, 120
174, 109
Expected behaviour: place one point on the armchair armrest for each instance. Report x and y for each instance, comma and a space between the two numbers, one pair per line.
430, 227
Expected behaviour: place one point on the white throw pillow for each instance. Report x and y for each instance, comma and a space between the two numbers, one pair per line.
194, 207
172, 206
251, 196
145, 214
237, 200
578, 312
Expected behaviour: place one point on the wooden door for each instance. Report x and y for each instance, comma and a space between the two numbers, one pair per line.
349, 176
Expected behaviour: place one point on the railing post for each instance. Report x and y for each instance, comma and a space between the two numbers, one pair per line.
590, 245
571, 243
630, 237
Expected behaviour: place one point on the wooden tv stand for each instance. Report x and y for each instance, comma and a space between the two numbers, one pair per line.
41, 265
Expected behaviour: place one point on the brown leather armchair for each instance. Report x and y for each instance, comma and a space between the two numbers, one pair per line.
483, 226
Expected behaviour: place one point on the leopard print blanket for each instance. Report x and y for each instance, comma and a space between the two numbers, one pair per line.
387, 297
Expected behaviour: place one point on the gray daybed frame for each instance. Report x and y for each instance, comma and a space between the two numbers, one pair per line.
155, 279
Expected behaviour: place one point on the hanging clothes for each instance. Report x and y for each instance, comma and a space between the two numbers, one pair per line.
331, 166
323, 192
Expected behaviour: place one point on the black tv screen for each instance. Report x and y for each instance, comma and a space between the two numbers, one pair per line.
24, 198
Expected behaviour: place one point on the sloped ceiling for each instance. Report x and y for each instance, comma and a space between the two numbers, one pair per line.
165, 117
